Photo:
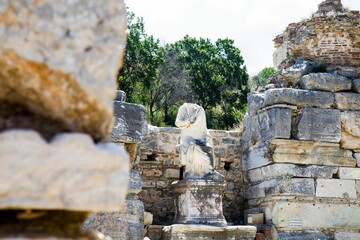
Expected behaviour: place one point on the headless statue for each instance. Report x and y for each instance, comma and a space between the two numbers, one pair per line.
196, 154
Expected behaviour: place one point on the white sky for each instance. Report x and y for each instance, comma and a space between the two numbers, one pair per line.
253, 24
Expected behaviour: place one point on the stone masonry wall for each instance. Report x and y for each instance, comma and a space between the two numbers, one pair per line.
159, 167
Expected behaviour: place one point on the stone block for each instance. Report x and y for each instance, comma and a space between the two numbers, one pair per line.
346, 236
290, 96
317, 124
303, 236
135, 182
357, 157
172, 173
149, 184
326, 82
292, 75
291, 186
349, 173
347, 101
256, 156
75, 55
278, 170
120, 96
335, 188
152, 173
309, 152
70, 172
204, 232
130, 123
255, 218
350, 134
356, 85
161, 184
295, 216
275, 123
154, 232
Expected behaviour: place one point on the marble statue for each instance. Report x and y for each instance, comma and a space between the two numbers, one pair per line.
196, 153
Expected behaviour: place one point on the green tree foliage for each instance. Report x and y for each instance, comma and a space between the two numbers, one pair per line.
191, 70
261, 79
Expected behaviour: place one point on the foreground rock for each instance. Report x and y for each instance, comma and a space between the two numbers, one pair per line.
70, 172
68, 52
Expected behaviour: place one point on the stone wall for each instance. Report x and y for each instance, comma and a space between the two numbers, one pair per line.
159, 167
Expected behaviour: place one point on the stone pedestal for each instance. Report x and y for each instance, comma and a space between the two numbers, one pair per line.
199, 201
203, 232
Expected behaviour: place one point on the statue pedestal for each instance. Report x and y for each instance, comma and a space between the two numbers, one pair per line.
199, 201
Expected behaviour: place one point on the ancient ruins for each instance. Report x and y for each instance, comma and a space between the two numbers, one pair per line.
79, 162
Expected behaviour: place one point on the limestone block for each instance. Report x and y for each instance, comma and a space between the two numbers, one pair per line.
204, 232
302, 236
292, 75
346, 236
350, 134
356, 85
251, 134
130, 123
66, 67
152, 173
291, 186
349, 173
275, 123
335, 188
316, 124
290, 96
309, 152
135, 182
256, 156
70, 172
279, 170
325, 82
172, 173
347, 101
292, 216
357, 185
255, 218
357, 157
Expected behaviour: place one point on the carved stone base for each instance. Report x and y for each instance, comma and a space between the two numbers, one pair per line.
199, 201
203, 232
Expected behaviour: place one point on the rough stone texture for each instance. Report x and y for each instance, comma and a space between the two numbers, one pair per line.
328, 37
131, 124
290, 170
158, 154
275, 123
350, 130
357, 157
120, 96
349, 173
296, 97
356, 85
290, 186
303, 236
325, 82
68, 52
256, 156
316, 124
335, 188
70, 172
203, 232
292, 75
346, 236
294, 216
347, 101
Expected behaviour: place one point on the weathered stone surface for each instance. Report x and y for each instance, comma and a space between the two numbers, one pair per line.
308, 152
172, 173
120, 96
349, 173
130, 123
275, 123
316, 124
70, 172
335, 188
347, 101
135, 183
65, 69
357, 157
326, 82
255, 218
291, 186
295, 216
256, 156
303, 236
290, 170
292, 75
356, 85
291, 96
203, 232
350, 132
346, 236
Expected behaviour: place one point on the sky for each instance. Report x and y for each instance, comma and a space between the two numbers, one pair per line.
252, 24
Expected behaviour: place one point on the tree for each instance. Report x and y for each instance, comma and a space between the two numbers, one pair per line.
139, 74
218, 77
261, 79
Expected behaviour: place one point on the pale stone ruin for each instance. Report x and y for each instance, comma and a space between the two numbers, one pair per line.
302, 134
59, 61
198, 197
